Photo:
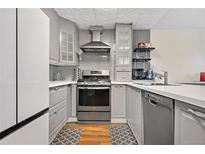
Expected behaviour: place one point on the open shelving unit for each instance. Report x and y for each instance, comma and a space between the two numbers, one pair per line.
141, 63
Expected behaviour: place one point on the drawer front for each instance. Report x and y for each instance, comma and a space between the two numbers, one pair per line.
57, 107
57, 95
123, 76
56, 118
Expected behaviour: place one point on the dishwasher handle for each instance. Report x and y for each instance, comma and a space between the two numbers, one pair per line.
153, 102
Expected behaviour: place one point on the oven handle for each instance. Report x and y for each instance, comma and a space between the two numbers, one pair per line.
93, 87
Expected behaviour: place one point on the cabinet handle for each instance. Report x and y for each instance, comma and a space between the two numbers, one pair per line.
196, 113
56, 88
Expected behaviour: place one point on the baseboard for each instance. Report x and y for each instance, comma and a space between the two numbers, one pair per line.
72, 119
118, 120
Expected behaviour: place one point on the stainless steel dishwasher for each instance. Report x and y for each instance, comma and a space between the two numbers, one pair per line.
158, 113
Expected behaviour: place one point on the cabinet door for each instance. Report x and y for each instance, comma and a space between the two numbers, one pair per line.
128, 103
8, 68
66, 47
123, 75
189, 129
33, 66
137, 114
69, 99
54, 53
73, 100
118, 108
123, 38
123, 61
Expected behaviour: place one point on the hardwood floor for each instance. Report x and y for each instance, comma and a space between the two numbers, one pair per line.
93, 134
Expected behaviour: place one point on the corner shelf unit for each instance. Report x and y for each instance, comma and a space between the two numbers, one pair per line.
143, 49
141, 63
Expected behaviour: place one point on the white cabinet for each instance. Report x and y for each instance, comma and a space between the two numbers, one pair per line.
123, 75
118, 98
73, 100
8, 68
123, 52
54, 38
123, 38
67, 47
57, 111
134, 112
57, 95
34, 133
72, 112
33, 65
69, 101
189, 124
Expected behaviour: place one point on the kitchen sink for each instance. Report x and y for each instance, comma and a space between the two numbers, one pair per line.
157, 84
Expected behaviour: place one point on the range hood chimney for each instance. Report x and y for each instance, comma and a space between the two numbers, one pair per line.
96, 46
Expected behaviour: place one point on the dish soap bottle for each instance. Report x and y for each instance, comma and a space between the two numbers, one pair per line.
149, 74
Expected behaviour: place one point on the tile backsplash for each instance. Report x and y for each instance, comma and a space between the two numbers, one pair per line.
68, 72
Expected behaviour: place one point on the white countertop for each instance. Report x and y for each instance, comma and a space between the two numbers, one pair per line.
196, 82
192, 94
60, 83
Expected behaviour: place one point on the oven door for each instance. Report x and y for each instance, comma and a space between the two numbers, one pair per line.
93, 98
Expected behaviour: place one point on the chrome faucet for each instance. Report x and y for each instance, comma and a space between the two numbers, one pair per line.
160, 76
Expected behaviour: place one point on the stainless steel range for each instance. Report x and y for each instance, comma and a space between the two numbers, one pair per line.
93, 96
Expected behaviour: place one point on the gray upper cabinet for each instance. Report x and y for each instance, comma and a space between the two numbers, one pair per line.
54, 39
67, 54
123, 38
118, 106
8, 68
123, 52
63, 40
189, 124
54, 55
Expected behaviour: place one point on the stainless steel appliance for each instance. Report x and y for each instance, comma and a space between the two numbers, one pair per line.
158, 113
93, 96
96, 45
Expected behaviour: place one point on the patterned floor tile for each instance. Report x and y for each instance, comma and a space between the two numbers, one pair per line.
67, 136
122, 135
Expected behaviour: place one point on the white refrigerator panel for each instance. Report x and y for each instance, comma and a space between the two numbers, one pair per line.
7, 68
34, 133
33, 62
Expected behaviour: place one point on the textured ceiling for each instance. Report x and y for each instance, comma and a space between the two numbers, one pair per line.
149, 18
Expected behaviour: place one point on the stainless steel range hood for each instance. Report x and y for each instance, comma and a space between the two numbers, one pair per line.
96, 46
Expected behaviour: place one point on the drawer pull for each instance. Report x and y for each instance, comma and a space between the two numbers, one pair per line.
196, 113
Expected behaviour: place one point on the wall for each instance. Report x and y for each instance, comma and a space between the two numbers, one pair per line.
140, 36
181, 52
68, 73
98, 61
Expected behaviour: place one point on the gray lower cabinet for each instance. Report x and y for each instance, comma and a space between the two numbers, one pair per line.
134, 112
71, 96
58, 110
118, 98
73, 100
189, 124
69, 101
